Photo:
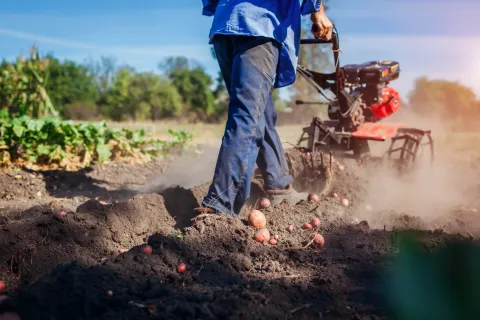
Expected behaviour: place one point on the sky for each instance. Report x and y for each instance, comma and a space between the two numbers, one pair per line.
439, 39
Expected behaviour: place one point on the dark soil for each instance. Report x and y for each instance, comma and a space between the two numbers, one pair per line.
70, 267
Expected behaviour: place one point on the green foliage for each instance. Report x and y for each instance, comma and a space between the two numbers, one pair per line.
193, 85
154, 95
103, 89
70, 84
172, 64
78, 90
103, 72
447, 99
441, 284
280, 105
140, 96
23, 86
73, 145
115, 96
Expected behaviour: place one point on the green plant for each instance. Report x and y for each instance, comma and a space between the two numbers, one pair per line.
22, 87
439, 281
69, 144
178, 234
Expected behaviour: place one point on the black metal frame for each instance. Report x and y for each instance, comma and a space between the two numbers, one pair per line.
410, 140
319, 80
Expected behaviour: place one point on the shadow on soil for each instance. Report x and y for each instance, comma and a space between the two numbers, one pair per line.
108, 182
65, 184
180, 202
135, 285
30, 184
148, 286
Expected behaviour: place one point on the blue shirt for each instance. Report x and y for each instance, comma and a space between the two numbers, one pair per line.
276, 19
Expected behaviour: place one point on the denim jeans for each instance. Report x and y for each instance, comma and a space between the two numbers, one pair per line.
248, 65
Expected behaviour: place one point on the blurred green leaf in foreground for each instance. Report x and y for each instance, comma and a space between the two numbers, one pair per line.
443, 284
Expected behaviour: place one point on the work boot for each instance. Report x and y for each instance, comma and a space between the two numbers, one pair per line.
289, 194
202, 213
205, 210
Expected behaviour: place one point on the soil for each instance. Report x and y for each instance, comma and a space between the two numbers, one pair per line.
72, 247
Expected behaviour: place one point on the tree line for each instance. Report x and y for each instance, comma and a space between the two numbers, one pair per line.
181, 88
103, 89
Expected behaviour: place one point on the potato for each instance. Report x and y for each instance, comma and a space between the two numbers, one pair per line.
307, 226
318, 240
181, 268
262, 235
257, 219
147, 249
315, 222
264, 203
312, 197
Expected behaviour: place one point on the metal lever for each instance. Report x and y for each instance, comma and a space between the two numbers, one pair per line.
299, 102
320, 41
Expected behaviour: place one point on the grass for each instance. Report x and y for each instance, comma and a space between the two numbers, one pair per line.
202, 133
449, 145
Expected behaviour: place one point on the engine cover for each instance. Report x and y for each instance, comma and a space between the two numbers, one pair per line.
389, 104
372, 72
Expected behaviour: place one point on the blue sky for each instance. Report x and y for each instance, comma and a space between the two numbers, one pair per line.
437, 38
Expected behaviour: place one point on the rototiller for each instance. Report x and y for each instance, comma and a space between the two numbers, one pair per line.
362, 100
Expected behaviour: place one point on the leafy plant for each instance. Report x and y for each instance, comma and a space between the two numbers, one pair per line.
178, 234
22, 87
434, 282
71, 145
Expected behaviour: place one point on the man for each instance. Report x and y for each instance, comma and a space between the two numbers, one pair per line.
256, 43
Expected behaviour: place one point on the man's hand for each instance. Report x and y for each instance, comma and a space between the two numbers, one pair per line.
322, 27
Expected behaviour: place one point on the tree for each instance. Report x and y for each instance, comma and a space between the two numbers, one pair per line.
140, 96
103, 72
172, 64
192, 83
201, 98
220, 93
447, 99
114, 99
70, 84
150, 96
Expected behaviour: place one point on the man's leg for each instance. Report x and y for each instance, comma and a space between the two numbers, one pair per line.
271, 159
272, 163
254, 64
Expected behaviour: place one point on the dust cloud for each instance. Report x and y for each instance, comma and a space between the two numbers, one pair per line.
431, 192
187, 171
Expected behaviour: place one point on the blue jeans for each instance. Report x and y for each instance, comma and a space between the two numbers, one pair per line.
248, 65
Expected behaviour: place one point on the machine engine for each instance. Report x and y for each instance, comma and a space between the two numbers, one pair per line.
368, 84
